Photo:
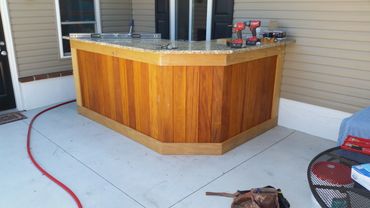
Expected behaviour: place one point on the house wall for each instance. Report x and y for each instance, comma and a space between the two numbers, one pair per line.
330, 63
144, 15
35, 37
35, 32
115, 15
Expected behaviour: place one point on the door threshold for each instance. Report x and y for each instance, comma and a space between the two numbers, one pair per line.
8, 111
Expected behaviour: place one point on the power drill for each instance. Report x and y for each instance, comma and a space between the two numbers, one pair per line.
238, 42
253, 25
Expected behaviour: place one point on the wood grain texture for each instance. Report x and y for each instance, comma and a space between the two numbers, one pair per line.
187, 104
179, 148
259, 88
205, 105
237, 97
76, 76
165, 104
217, 95
179, 104
192, 103
141, 91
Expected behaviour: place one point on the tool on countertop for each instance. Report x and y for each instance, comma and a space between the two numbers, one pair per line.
253, 25
238, 41
238, 28
132, 27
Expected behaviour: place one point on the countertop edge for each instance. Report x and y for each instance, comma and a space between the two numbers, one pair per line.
192, 52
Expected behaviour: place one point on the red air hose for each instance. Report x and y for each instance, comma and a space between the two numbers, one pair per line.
38, 166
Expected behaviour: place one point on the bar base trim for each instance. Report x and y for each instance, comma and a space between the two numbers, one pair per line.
179, 148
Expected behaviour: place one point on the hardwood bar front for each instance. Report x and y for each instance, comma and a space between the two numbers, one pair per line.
180, 102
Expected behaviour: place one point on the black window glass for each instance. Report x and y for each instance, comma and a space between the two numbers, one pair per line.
77, 10
78, 28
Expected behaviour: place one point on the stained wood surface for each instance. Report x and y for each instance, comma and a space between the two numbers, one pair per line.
179, 148
192, 104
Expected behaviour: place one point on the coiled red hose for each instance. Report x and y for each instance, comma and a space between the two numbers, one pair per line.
38, 166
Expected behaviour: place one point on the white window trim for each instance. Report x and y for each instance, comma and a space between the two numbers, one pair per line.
59, 25
209, 20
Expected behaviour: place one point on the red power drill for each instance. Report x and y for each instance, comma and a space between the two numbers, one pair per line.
253, 25
238, 42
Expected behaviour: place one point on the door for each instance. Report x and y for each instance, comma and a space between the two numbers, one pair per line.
222, 18
182, 20
162, 18
7, 100
223, 14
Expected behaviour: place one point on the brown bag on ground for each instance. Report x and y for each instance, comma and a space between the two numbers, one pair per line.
255, 198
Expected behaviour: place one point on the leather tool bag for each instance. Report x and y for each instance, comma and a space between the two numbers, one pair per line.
267, 197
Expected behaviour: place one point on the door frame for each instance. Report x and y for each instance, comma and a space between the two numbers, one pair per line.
11, 54
191, 3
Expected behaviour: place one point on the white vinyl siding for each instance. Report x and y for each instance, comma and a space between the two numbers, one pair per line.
144, 15
330, 63
35, 34
35, 37
115, 15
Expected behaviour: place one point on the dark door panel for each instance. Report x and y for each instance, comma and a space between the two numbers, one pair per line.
7, 100
162, 18
223, 14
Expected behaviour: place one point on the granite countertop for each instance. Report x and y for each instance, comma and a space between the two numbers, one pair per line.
178, 47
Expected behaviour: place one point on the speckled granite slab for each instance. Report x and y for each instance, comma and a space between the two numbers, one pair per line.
178, 47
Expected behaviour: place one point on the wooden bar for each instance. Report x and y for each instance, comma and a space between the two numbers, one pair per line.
176, 104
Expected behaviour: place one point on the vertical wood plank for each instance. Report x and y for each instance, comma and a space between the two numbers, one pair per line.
117, 90
141, 90
124, 89
277, 85
218, 83
251, 103
205, 104
165, 104
226, 103
131, 94
192, 104
259, 92
179, 104
110, 93
102, 85
154, 99
236, 98
269, 91
76, 76
83, 79
93, 76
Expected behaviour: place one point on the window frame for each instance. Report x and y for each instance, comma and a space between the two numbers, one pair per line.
97, 23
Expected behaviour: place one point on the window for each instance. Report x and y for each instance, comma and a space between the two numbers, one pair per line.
76, 16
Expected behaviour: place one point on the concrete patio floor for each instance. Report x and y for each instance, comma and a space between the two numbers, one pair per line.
108, 170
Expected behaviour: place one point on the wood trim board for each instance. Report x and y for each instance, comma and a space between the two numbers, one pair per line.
179, 148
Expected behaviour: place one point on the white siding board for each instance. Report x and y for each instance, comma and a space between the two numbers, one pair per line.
144, 15
330, 63
320, 101
34, 28
115, 15
35, 32
332, 88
